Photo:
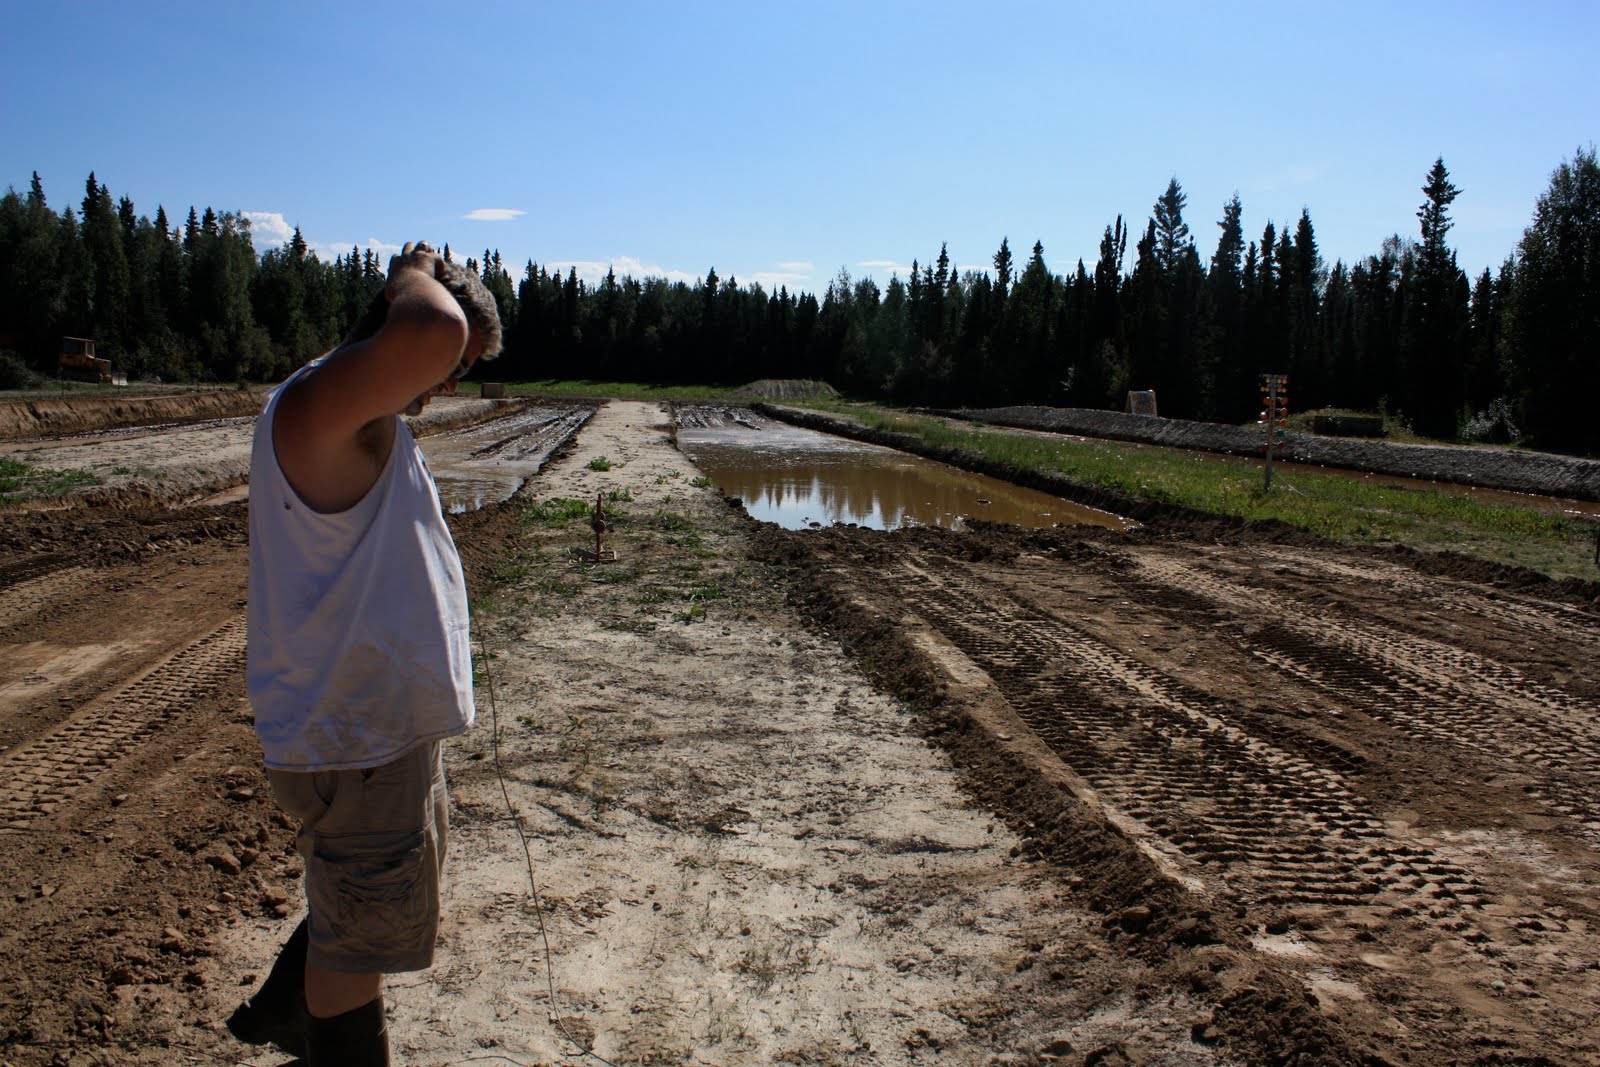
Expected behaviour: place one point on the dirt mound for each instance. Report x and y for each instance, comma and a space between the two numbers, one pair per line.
786, 389
1488, 466
49, 416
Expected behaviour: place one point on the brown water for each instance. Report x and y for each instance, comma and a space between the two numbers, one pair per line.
800, 478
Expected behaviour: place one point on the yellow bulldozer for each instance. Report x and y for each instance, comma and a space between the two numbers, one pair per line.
77, 360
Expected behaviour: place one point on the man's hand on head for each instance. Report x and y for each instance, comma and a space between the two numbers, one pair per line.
416, 259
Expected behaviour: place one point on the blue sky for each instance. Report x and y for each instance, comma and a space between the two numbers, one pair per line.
779, 142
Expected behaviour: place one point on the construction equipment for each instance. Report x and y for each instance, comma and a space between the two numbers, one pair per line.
77, 360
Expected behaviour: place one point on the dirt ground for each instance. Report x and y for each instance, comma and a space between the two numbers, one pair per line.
1194, 794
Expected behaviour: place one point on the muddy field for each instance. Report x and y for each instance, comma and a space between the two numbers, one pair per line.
1191, 794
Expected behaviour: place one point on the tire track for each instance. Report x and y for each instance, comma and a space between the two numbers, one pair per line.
1536, 620
1269, 826
37, 777
1428, 690
30, 586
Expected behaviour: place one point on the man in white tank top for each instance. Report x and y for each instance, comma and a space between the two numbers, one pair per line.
359, 655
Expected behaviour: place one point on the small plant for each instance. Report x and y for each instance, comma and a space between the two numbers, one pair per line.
15, 372
599, 463
19, 480
1497, 425
557, 511
701, 482
619, 496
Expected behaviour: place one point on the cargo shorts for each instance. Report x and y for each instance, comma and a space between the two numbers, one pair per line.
373, 841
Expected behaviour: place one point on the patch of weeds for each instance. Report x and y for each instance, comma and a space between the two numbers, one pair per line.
557, 511
764, 962
600, 795
620, 496
20, 481
527, 722
701, 482
556, 586
615, 575
672, 522
599, 463
709, 589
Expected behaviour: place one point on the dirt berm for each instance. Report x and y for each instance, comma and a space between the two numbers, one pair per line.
54, 415
1491, 467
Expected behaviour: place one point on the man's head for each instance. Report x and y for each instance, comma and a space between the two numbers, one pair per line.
475, 300
476, 303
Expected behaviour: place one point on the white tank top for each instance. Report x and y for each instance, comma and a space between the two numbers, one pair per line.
358, 643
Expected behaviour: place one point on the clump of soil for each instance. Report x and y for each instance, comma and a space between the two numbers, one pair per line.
786, 389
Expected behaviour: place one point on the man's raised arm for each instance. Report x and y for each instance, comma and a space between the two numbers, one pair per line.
421, 342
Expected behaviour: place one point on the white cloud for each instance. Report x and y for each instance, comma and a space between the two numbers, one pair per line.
593, 271
268, 229
799, 267
883, 269
327, 250
493, 214
773, 279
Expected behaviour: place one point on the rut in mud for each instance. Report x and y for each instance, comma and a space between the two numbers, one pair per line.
1259, 798
1386, 781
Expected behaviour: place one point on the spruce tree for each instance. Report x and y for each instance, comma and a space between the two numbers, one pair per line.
1554, 309
1434, 338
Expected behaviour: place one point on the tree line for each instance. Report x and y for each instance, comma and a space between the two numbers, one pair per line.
1510, 354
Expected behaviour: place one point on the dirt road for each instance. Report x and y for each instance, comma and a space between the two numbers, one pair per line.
1192, 795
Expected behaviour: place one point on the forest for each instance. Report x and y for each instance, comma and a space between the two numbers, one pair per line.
1512, 355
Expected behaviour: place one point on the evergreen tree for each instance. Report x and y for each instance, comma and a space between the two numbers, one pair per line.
1002, 268
1304, 278
1554, 309
107, 260
1172, 233
1235, 380
1433, 341
1108, 369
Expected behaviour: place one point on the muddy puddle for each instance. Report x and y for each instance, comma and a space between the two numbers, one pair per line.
800, 478
488, 462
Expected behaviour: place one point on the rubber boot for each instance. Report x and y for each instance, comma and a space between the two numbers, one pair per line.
277, 1013
358, 1038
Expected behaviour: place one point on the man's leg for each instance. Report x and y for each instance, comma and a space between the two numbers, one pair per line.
277, 1013
373, 842
330, 993
346, 1027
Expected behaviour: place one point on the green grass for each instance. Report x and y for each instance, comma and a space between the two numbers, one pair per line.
1335, 506
557, 511
23, 481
